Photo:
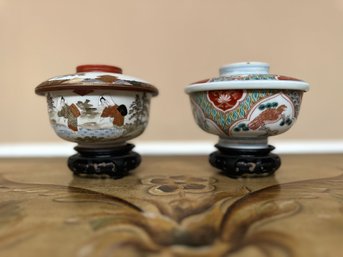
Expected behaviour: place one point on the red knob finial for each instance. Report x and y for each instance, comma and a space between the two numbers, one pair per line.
98, 67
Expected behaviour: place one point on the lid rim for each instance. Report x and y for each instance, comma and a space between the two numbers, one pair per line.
248, 84
42, 88
95, 80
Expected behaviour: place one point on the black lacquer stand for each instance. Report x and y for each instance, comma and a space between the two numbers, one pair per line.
245, 162
114, 162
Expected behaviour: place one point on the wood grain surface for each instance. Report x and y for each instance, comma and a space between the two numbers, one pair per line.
172, 206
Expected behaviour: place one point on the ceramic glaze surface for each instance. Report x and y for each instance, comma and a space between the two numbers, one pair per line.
107, 117
246, 113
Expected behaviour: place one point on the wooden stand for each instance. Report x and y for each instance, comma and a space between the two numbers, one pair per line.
245, 162
114, 162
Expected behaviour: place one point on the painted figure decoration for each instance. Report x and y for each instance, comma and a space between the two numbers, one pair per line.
69, 112
114, 111
100, 109
102, 119
244, 106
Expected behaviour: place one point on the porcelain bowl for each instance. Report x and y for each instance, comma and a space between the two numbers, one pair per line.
99, 118
97, 106
246, 104
246, 113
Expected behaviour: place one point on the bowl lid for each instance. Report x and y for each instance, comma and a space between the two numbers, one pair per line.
247, 75
92, 77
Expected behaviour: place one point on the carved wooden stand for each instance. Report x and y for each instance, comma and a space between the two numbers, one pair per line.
114, 162
245, 162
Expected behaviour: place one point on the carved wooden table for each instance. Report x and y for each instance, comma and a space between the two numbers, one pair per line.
172, 206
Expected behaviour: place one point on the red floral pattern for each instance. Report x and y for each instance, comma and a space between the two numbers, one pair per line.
225, 99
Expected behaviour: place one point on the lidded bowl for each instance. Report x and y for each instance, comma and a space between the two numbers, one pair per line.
99, 108
245, 105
